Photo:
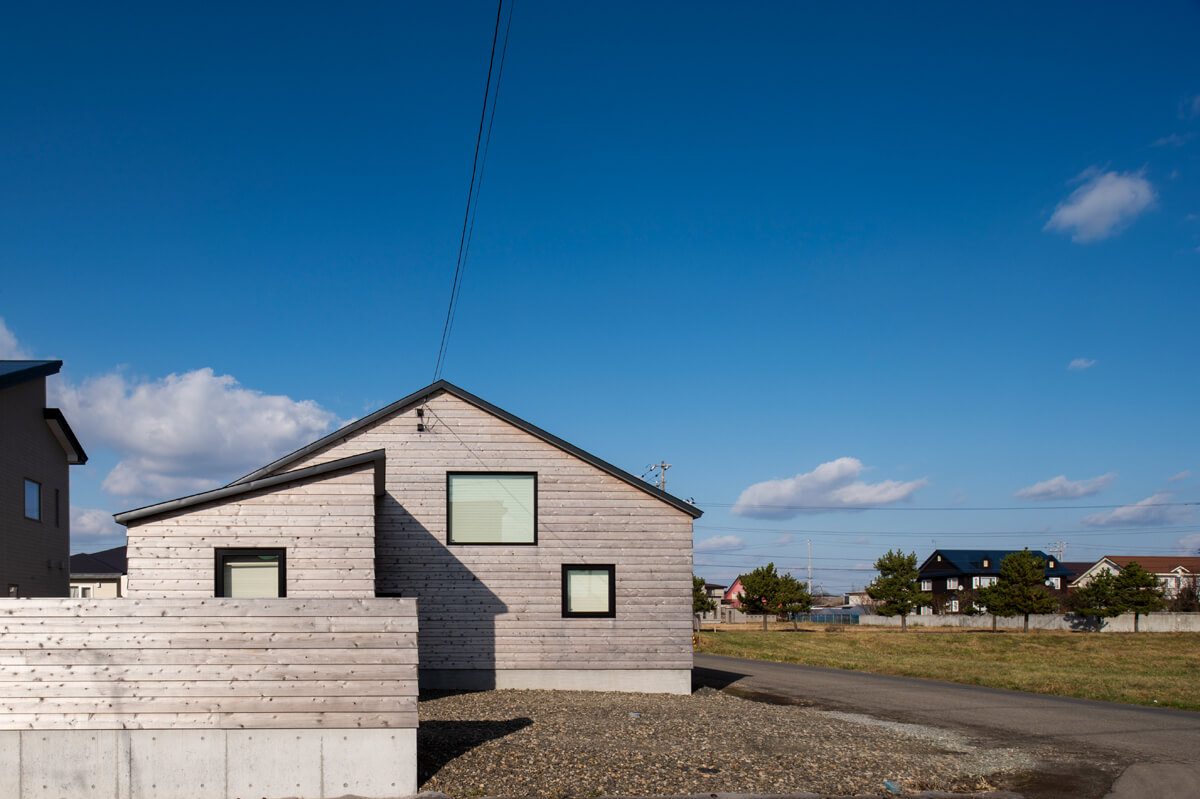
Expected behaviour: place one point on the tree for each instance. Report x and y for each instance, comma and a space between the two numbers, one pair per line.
701, 601
1098, 598
897, 586
760, 592
1020, 588
1139, 591
793, 596
1187, 599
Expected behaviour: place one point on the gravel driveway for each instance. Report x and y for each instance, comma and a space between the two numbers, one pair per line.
563, 743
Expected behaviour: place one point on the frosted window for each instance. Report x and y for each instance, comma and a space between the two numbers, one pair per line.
250, 575
492, 508
588, 591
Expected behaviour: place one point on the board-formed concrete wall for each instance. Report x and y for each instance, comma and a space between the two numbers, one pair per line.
138, 698
1152, 623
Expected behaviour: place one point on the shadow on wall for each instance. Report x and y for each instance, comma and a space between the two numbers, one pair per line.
456, 612
439, 742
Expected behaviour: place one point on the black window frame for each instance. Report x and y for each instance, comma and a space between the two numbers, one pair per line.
25, 500
611, 613
220, 553
449, 528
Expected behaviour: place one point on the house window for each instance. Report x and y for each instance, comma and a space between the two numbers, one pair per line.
84, 591
952, 606
986, 563
982, 582
251, 573
1054, 582
589, 591
33, 500
1050, 564
927, 585
951, 583
490, 508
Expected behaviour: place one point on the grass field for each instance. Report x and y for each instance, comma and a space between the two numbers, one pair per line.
1160, 669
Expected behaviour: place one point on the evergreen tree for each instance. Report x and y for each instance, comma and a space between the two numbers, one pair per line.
897, 586
1020, 588
1139, 591
760, 592
1098, 598
793, 596
701, 601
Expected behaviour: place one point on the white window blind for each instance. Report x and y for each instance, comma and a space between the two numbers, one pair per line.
492, 509
251, 577
587, 591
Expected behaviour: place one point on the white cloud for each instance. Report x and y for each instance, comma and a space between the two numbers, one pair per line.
830, 486
1079, 364
94, 529
1189, 544
1174, 140
1185, 474
1105, 204
1062, 488
10, 350
1152, 512
185, 432
719, 543
783, 540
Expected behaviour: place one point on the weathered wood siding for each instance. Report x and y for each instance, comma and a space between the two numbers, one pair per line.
500, 607
327, 525
213, 663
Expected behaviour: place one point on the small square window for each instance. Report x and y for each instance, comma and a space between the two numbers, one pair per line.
589, 591
33, 500
251, 573
491, 508
926, 585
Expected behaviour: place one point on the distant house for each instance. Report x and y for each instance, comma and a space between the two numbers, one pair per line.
534, 563
37, 447
731, 593
100, 575
1172, 572
950, 574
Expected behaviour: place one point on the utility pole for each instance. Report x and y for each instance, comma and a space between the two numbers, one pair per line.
662, 467
1058, 549
810, 567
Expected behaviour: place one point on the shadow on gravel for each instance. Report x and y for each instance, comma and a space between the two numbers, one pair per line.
439, 742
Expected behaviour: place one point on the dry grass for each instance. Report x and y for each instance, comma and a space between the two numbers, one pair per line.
1160, 669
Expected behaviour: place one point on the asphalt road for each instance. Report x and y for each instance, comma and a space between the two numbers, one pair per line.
1124, 734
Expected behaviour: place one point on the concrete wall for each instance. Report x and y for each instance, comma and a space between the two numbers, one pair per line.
212, 698
34, 555
326, 525
490, 609
1154, 622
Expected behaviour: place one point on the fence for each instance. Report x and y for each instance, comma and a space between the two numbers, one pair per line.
136, 698
1151, 623
825, 618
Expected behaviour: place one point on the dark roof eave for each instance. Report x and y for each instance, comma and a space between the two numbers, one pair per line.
65, 435
233, 490
466, 396
34, 370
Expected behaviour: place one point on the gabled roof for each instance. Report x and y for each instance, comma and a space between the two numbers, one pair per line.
450, 388
1158, 564
109, 563
1078, 567
970, 561
170, 506
13, 373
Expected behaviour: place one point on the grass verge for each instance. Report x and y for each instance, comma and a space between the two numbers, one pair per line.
1158, 669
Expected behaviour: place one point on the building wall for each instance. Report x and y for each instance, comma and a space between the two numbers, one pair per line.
34, 555
326, 525
491, 609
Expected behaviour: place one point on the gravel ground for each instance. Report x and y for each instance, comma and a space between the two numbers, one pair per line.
565, 743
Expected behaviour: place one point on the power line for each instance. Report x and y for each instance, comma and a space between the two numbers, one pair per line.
1108, 531
472, 194
940, 508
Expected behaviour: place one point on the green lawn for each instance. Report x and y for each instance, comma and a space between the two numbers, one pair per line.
1160, 669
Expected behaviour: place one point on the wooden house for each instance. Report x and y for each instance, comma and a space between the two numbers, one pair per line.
37, 447
534, 563
1174, 573
952, 575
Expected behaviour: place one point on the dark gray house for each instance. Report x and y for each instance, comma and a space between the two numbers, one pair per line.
38, 447
953, 575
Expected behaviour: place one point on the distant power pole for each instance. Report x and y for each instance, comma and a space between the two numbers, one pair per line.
661, 468
1057, 549
810, 566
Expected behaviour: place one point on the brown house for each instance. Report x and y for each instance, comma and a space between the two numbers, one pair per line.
35, 503
534, 564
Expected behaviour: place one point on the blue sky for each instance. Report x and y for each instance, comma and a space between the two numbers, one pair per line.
834, 257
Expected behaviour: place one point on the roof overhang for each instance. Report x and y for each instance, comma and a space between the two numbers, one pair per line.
483, 405
65, 436
375, 457
14, 373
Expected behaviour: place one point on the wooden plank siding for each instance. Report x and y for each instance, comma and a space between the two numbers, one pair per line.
499, 607
216, 663
326, 524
